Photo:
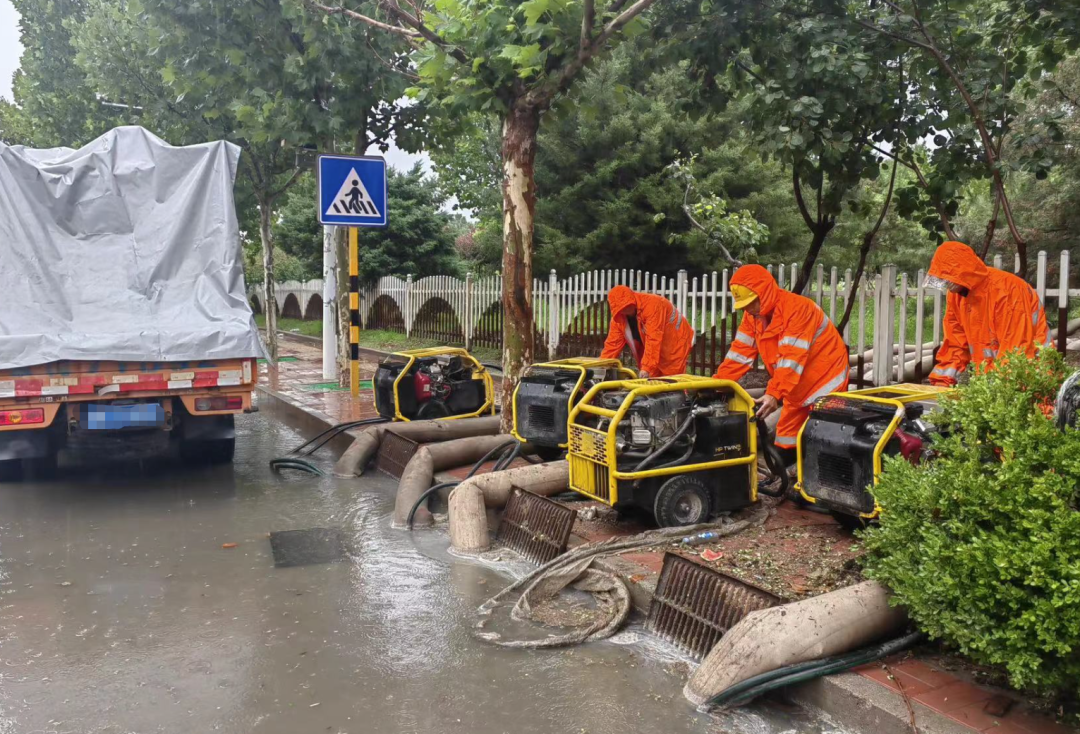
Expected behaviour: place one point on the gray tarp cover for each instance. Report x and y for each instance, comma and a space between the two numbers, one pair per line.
127, 249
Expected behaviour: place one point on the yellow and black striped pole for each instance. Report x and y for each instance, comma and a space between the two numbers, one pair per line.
354, 312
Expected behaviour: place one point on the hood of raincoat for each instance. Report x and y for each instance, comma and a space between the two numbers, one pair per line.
958, 263
761, 282
619, 298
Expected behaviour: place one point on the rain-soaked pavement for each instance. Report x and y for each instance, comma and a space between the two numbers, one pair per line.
122, 612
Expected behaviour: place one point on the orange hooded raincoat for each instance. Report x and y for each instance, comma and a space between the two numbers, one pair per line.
999, 312
802, 350
666, 336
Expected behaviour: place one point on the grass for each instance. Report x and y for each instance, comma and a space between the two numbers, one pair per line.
296, 326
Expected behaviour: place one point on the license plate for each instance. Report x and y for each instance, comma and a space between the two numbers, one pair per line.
99, 417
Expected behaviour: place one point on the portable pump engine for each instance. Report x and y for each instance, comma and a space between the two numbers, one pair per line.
842, 444
440, 382
549, 390
681, 447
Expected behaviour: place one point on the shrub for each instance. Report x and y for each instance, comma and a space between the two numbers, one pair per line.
982, 544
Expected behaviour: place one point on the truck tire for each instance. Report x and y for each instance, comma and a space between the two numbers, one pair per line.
682, 500
207, 453
40, 469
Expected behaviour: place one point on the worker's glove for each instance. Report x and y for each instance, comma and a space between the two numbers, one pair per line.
642, 374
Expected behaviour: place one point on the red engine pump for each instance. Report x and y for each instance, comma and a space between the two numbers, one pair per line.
911, 447
422, 387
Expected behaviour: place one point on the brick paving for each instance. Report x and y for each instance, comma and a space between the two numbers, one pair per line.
298, 379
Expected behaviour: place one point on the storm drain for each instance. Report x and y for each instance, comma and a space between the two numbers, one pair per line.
534, 526
307, 547
394, 454
694, 605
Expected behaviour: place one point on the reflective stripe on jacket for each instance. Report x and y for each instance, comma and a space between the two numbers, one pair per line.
802, 350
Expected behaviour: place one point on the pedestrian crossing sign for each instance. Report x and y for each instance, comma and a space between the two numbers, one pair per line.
352, 190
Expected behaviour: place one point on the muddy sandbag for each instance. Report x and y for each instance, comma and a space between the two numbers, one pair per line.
831, 624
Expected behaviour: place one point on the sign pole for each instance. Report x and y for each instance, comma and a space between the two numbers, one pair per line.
354, 312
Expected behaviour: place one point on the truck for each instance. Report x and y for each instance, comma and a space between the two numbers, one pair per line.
125, 330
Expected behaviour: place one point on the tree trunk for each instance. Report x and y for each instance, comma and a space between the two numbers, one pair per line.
519, 205
821, 231
266, 213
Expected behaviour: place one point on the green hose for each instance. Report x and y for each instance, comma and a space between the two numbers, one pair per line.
750, 688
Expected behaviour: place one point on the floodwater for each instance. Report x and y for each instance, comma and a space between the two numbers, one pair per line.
121, 612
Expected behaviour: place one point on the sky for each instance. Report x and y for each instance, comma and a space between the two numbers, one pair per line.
11, 50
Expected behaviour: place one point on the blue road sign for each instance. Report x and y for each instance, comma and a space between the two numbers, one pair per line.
352, 190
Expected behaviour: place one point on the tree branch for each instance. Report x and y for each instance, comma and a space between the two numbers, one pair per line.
797, 186
296, 174
588, 19
426, 32
338, 10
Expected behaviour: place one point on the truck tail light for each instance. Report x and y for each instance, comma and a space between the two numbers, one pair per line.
22, 417
234, 402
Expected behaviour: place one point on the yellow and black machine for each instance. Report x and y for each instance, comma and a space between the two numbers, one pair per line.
438, 382
548, 391
843, 442
681, 447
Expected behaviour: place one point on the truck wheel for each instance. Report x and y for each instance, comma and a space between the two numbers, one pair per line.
682, 500
40, 469
220, 451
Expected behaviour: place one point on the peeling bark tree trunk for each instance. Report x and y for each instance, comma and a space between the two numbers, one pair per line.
519, 205
821, 231
266, 213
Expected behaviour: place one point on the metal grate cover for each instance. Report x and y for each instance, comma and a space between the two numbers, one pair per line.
694, 605
307, 547
534, 526
394, 454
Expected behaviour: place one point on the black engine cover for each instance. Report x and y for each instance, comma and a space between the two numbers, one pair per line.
542, 405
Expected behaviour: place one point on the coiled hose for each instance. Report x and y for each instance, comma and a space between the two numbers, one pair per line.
504, 455
773, 460
750, 688
295, 458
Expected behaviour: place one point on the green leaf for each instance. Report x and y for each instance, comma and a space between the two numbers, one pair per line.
533, 9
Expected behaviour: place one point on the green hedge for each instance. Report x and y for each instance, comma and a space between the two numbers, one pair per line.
982, 544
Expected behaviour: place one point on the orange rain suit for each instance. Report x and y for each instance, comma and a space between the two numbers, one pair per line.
802, 350
666, 336
1000, 312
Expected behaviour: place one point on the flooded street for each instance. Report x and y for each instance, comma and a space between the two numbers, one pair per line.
121, 611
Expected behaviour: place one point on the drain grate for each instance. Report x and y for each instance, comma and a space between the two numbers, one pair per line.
534, 526
307, 547
394, 454
694, 606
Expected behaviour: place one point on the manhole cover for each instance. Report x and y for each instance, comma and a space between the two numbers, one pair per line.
307, 547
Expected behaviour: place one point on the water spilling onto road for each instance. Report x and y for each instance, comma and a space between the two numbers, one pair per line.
120, 611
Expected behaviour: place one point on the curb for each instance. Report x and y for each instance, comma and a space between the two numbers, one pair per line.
847, 700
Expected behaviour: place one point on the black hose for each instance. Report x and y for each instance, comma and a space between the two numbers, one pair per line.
286, 462
510, 448
667, 444
496, 367
773, 460
799, 672
306, 449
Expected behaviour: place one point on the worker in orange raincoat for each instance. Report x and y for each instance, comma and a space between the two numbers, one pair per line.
988, 312
803, 352
658, 335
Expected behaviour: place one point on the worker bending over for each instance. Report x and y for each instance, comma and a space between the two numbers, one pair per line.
656, 333
802, 351
988, 312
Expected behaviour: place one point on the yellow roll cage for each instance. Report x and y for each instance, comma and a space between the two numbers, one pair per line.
480, 372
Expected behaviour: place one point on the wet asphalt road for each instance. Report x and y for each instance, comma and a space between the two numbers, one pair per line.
121, 612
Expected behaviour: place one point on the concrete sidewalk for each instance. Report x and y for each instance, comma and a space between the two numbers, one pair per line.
795, 555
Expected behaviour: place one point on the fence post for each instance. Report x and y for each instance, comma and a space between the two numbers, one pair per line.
553, 313
1040, 278
884, 327
1063, 301
681, 292
468, 329
409, 315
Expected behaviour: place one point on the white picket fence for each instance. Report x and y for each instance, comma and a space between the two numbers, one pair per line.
879, 323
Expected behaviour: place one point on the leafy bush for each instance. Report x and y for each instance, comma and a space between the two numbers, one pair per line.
982, 544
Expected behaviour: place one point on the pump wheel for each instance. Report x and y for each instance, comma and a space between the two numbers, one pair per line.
432, 410
682, 500
850, 522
